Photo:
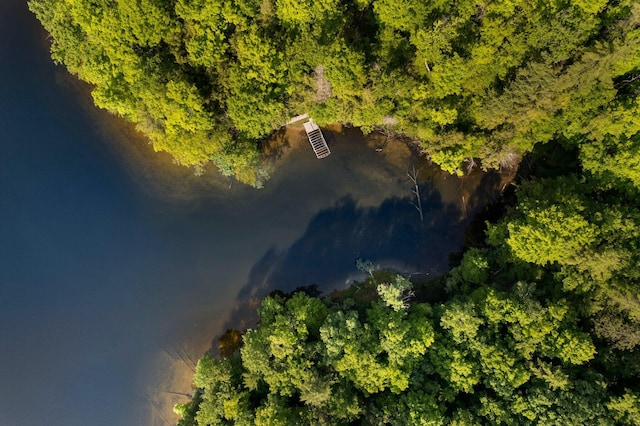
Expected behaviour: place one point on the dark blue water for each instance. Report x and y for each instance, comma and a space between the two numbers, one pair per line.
116, 272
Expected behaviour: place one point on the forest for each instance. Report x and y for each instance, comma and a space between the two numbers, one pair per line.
538, 320
470, 82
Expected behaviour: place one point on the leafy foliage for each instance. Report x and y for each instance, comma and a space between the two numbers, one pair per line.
499, 356
206, 79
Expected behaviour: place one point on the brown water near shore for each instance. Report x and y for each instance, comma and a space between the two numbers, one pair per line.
158, 175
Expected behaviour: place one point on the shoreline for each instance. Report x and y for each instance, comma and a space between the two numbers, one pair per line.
147, 168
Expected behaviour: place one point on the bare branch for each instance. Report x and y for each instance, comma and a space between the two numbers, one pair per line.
471, 164
627, 81
413, 177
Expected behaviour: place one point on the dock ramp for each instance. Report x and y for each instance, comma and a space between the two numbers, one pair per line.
316, 138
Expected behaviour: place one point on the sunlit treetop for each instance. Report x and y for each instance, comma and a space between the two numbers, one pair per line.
206, 80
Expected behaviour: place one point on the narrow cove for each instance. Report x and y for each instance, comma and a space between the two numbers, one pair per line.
119, 268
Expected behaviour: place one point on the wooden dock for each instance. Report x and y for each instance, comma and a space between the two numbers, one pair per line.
297, 118
316, 138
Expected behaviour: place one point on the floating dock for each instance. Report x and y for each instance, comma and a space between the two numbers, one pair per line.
316, 138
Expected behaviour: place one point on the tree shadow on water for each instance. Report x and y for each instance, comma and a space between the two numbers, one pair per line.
390, 235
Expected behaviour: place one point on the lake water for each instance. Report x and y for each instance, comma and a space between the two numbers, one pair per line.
117, 268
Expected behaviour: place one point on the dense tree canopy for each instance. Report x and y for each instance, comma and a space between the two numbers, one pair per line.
516, 355
206, 79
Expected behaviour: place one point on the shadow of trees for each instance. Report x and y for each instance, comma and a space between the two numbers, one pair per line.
390, 235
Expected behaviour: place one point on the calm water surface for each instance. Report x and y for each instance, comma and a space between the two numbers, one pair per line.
117, 268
